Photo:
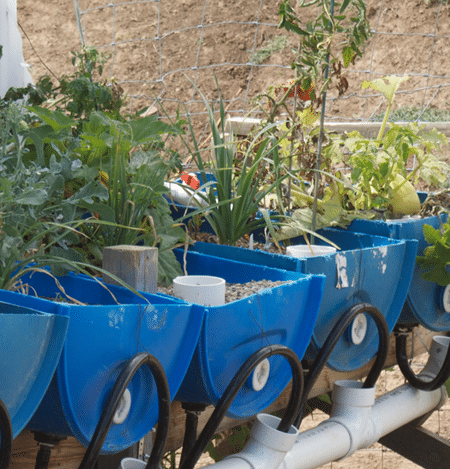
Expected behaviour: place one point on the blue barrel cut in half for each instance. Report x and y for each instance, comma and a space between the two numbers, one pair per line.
427, 303
30, 347
370, 269
283, 314
102, 336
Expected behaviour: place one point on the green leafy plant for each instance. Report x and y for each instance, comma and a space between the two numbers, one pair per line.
333, 38
379, 172
239, 191
277, 43
101, 168
80, 93
373, 177
436, 257
413, 113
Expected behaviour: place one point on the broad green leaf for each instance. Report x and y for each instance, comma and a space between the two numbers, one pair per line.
32, 197
93, 189
388, 89
56, 119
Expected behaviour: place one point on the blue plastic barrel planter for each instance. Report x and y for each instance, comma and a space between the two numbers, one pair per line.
427, 302
102, 336
30, 347
369, 269
284, 314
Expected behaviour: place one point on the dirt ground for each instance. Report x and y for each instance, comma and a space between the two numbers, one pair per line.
155, 45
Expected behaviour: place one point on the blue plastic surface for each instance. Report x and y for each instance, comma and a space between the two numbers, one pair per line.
378, 271
101, 338
423, 303
284, 314
30, 347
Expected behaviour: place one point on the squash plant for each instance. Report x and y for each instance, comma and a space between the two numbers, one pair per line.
377, 183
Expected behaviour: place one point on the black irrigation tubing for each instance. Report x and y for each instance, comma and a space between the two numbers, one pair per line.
6, 436
333, 338
114, 398
414, 380
233, 388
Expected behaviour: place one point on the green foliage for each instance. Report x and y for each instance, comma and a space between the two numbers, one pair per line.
334, 38
413, 113
271, 46
81, 93
93, 170
436, 257
231, 442
239, 192
376, 163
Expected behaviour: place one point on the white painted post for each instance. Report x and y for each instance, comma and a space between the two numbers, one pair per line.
135, 265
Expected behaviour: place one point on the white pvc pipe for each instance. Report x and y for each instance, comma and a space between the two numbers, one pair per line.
357, 421
204, 290
303, 250
185, 197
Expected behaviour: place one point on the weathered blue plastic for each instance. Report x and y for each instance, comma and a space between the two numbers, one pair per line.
101, 338
30, 346
284, 314
423, 303
378, 270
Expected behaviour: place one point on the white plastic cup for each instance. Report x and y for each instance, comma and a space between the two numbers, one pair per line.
200, 289
303, 250
131, 463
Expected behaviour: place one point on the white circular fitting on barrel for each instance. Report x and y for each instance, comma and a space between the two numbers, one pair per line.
359, 328
260, 375
303, 250
123, 409
446, 299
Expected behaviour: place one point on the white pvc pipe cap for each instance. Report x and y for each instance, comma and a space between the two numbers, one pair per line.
358, 328
260, 375
303, 250
123, 409
200, 289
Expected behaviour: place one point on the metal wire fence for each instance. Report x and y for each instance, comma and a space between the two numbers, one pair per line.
157, 46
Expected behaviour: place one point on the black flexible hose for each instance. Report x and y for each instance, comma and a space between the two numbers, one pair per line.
43, 457
233, 388
6, 436
415, 381
193, 410
333, 338
117, 391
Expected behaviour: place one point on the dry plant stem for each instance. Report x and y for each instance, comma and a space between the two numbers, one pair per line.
60, 287
152, 223
308, 243
186, 244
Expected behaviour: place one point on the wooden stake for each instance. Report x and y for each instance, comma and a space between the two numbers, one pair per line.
135, 265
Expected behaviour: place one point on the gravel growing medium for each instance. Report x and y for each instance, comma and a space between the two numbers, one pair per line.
236, 291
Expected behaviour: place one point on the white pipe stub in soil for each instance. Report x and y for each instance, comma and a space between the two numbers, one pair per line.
303, 250
200, 289
131, 463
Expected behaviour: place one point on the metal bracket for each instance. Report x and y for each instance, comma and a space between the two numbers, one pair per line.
422, 447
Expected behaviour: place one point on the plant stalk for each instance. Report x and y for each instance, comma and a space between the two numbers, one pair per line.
319, 146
